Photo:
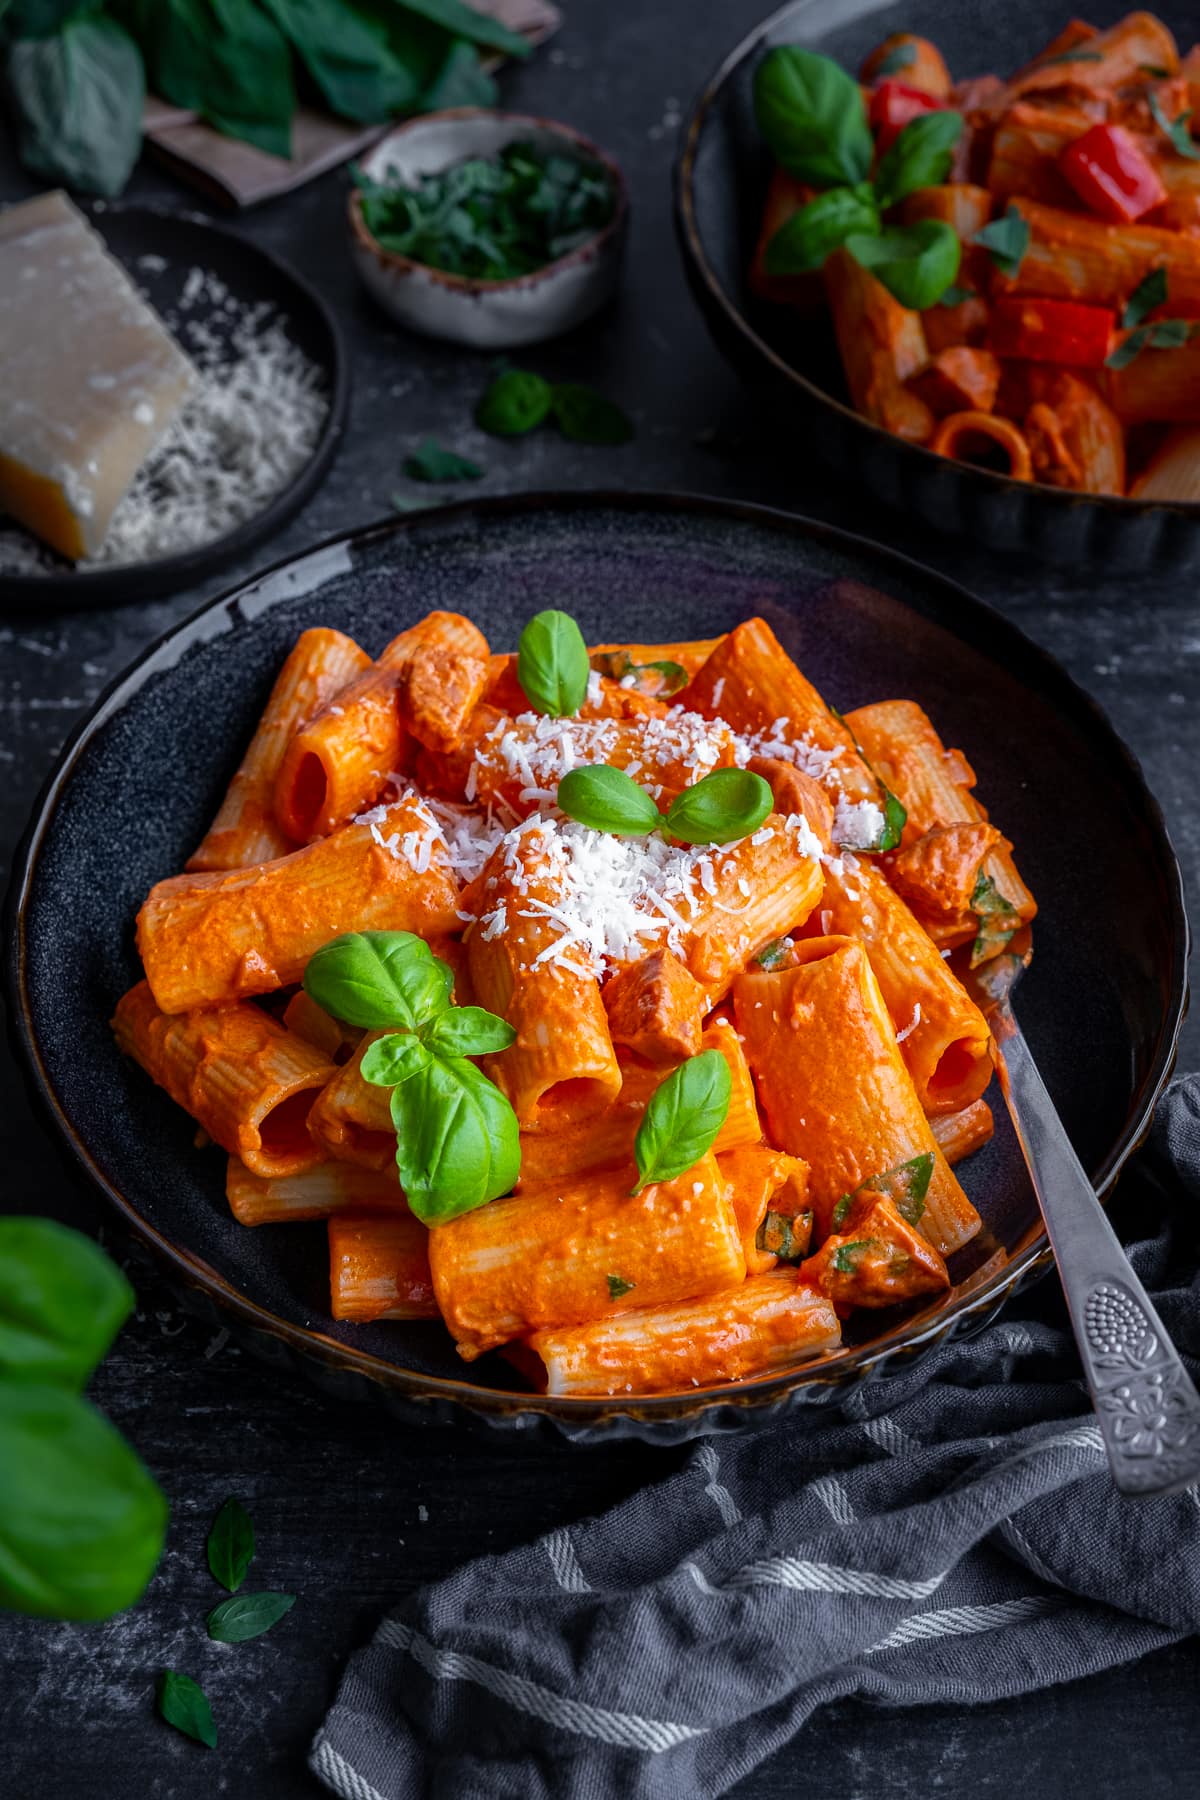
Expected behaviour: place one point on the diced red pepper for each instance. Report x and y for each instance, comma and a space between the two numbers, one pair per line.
1053, 331
893, 106
1111, 174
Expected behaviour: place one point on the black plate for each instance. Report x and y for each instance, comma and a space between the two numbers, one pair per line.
139, 781
720, 183
184, 241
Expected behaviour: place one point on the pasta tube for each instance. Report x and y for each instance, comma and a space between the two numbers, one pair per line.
876, 1259
337, 1040
763, 1181
211, 938
769, 1322
1158, 385
569, 1253
785, 197
352, 1119
986, 441
313, 1194
755, 890
881, 344
1072, 256
962, 1133
246, 1080
379, 1268
245, 830
1173, 472
804, 1027
1121, 54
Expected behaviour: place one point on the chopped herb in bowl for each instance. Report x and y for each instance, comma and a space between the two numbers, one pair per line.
490, 218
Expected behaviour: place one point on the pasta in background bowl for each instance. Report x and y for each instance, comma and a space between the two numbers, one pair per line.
139, 792
994, 151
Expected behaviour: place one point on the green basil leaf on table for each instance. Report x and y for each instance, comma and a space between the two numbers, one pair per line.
464, 22
822, 226
247, 1616
468, 1031
1176, 130
516, 402
183, 1703
77, 101
607, 799
1006, 240
721, 807
62, 1302
457, 1139
812, 116
1151, 291
81, 1519
224, 59
900, 56
586, 417
916, 263
376, 979
430, 462
230, 1545
682, 1118
553, 665
920, 156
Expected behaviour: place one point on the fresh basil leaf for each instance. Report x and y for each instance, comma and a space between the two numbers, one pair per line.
81, 1520
77, 100
607, 799
787, 1237
821, 227
847, 1257
348, 58
919, 157
553, 665
469, 1031
225, 60
464, 22
184, 1704
895, 817
617, 1286
667, 678
1150, 292
900, 56
379, 980
461, 80
812, 116
457, 1140
230, 1546
247, 1616
1176, 130
838, 1215
682, 1118
430, 462
916, 263
1006, 240
62, 1302
720, 808
516, 402
389, 1059
586, 417
1068, 56
955, 295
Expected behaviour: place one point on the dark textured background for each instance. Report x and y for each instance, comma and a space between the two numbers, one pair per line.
352, 1513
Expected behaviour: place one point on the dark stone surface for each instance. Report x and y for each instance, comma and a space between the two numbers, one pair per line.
351, 1513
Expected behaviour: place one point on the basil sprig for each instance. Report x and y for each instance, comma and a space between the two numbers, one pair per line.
812, 116
920, 156
1006, 240
718, 809
457, 1140
682, 1118
1176, 130
553, 665
822, 226
915, 263
81, 1520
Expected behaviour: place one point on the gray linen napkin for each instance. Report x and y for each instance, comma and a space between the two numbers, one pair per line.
953, 1536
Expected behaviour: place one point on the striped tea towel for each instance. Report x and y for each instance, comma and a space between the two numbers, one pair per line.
953, 1536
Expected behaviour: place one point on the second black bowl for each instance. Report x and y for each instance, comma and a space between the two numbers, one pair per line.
720, 182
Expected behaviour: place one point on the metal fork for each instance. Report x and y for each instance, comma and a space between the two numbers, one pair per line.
1146, 1404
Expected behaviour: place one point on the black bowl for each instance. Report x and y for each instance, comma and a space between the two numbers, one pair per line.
138, 781
721, 179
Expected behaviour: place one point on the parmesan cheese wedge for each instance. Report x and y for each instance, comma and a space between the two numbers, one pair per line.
90, 378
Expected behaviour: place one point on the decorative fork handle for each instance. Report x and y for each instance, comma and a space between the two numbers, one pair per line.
1146, 1404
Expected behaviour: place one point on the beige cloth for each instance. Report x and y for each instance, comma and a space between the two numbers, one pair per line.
237, 174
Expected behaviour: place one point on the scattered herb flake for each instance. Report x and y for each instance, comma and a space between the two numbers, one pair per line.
1006, 240
847, 1257
1150, 292
786, 1237
617, 1286
429, 462
1176, 130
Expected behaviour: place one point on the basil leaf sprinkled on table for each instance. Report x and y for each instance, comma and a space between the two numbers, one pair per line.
231, 65
1151, 291
916, 263
378, 980
1006, 240
184, 1704
586, 417
247, 1616
822, 226
230, 1546
430, 462
62, 1302
516, 402
1176, 130
618, 1286
553, 665
812, 115
682, 1118
721, 807
607, 799
920, 156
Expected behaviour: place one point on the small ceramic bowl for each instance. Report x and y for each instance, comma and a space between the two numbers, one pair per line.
487, 315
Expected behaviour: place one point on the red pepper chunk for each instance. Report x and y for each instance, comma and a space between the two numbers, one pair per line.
1052, 331
1111, 174
893, 106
